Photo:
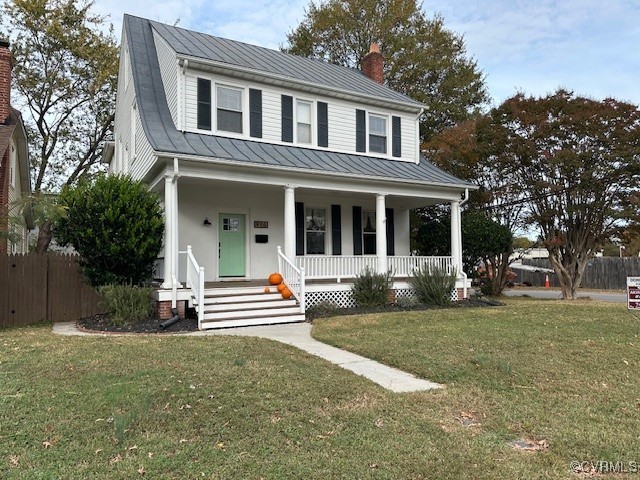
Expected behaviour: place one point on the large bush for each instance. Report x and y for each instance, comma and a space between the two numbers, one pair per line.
116, 225
371, 289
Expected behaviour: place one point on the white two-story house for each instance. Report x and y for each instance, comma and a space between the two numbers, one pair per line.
272, 162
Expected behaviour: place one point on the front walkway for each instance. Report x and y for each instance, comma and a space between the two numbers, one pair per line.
299, 336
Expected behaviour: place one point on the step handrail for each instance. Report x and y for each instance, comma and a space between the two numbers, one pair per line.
293, 277
195, 282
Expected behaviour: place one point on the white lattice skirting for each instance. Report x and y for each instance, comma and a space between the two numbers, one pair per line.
344, 298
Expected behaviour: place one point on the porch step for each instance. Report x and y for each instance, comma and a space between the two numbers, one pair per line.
237, 306
250, 322
251, 313
244, 304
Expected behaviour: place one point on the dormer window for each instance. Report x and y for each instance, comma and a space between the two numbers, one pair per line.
229, 109
377, 134
303, 121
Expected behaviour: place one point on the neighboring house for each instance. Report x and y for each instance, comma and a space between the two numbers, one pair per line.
253, 149
14, 164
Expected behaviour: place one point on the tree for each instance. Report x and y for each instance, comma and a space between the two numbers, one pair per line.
483, 240
117, 226
423, 59
571, 164
65, 73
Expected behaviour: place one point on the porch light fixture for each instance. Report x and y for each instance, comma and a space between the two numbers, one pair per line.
206, 222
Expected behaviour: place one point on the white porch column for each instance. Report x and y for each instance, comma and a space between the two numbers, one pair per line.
290, 223
456, 236
381, 234
170, 248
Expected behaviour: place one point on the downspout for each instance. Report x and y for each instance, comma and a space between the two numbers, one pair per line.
418, 135
462, 273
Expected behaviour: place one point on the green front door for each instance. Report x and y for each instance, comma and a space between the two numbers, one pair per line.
231, 249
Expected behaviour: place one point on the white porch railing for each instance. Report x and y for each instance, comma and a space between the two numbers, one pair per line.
293, 276
350, 266
195, 282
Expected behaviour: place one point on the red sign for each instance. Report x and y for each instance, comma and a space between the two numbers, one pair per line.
633, 293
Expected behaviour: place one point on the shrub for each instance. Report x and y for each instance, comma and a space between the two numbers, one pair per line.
371, 289
126, 303
116, 225
433, 285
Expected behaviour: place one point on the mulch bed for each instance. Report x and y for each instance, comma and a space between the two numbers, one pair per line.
102, 322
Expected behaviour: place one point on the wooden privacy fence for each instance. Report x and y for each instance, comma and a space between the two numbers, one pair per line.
44, 287
609, 273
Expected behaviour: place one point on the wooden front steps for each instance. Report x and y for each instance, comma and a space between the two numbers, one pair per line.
241, 306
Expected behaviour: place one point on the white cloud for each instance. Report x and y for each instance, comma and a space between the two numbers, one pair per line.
533, 46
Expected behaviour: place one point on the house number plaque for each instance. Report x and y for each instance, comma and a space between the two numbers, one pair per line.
260, 224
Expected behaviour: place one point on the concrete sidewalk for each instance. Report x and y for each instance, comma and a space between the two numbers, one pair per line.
299, 336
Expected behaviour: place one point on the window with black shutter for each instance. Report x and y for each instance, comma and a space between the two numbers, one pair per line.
204, 104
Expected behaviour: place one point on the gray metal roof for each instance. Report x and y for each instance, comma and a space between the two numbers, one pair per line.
165, 138
274, 62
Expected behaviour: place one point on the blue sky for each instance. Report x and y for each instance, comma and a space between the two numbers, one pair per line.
589, 46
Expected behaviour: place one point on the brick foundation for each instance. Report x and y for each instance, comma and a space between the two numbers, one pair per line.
163, 309
460, 292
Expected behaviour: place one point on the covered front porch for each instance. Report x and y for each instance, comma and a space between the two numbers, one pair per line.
319, 234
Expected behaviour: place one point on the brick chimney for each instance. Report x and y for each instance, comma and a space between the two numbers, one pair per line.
372, 64
6, 64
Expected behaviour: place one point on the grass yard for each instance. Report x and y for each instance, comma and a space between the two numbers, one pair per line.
566, 375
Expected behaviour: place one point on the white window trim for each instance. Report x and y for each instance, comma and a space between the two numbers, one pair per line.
244, 98
387, 134
312, 118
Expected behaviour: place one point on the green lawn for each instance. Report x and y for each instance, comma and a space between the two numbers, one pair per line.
224, 407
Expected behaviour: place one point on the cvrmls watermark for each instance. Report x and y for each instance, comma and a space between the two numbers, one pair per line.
604, 466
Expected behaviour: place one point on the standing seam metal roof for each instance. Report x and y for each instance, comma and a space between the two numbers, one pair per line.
165, 138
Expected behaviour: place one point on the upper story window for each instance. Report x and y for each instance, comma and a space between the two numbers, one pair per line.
13, 164
229, 109
377, 134
303, 121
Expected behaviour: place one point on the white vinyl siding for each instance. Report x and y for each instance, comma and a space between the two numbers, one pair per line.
144, 157
340, 115
169, 73
124, 111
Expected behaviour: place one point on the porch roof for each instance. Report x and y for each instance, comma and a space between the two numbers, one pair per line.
165, 138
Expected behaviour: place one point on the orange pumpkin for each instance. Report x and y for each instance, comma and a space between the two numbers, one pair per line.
275, 278
286, 293
281, 287
267, 290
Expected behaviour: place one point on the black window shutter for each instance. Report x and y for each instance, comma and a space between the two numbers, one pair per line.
287, 118
255, 113
323, 124
204, 104
396, 137
391, 249
361, 131
299, 228
357, 230
336, 230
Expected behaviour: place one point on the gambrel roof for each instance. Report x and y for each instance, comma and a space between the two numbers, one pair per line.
166, 139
